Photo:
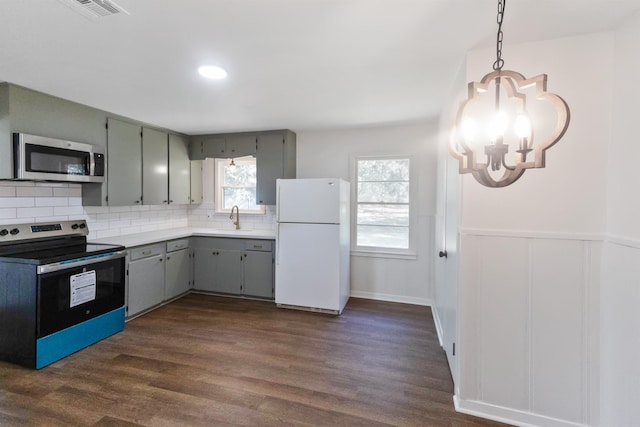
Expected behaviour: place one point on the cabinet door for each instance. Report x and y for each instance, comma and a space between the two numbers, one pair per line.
146, 284
269, 167
205, 269
176, 273
155, 190
238, 146
214, 147
258, 274
179, 171
124, 163
196, 182
229, 279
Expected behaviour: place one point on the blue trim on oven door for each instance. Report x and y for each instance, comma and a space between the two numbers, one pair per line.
67, 341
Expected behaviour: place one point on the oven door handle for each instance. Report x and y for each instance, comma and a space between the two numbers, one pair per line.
79, 262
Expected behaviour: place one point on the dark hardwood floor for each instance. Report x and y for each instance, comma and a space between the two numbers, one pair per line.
206, 361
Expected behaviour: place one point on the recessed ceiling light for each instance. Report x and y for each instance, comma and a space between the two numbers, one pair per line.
212, 72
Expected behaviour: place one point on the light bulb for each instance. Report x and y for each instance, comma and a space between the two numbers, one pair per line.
498, 126
522, 126
232, 166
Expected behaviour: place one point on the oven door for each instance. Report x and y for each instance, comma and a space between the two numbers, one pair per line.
74, 291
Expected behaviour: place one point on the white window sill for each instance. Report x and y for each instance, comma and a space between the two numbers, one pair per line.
381, 254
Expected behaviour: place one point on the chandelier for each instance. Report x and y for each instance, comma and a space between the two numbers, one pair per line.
506, 123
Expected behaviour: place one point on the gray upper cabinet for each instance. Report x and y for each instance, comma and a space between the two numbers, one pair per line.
124, 163
223, 146
179, 170
241, 145
36, 113
212, 147
275, 158
275, 153
196, 182
155, 189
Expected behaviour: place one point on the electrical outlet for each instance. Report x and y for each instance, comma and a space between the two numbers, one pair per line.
209, 214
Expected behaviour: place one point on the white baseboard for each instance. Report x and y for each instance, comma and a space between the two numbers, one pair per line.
436, 320
392, 298
507, 415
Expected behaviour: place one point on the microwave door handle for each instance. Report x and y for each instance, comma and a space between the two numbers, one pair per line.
91, 164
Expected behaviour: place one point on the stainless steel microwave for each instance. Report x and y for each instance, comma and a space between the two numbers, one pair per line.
42, 158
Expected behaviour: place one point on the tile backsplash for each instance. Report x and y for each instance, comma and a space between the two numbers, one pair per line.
27, 201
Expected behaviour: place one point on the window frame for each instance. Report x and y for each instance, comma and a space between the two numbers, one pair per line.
378, 251
218, 180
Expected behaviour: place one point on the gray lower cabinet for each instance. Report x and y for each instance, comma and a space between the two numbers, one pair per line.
234, 266
146, 269
177, 269
258, 281
217, 270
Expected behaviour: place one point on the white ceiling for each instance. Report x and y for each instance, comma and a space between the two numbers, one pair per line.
297, 64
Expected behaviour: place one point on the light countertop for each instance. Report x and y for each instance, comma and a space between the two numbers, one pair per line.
150, 237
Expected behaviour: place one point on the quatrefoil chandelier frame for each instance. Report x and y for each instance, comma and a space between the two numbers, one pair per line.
508, 147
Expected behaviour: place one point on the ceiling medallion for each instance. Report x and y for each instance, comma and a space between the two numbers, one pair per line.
496, 125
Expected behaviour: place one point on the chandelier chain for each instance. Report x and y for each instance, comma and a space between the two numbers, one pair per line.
497, 65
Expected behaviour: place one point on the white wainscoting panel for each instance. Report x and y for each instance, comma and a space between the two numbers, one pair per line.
620, 326
557, 323
528, 329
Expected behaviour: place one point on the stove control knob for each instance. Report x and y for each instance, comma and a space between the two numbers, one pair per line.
74, 226
14, 231
83, 225
4, 232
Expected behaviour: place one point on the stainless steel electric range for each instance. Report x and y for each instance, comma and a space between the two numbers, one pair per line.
58, 293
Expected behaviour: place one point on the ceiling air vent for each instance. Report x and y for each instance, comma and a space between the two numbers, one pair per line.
95, 8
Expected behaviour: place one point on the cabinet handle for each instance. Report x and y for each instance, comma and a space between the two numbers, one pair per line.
160, 260
170, 201
146, 252
164, 201
168, 258
137, 201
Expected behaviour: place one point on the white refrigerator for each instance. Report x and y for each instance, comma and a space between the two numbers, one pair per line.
312, 244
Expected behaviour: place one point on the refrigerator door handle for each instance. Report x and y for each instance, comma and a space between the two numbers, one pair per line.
278, 243
277, 200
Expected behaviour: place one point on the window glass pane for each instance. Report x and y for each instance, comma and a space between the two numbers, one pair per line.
244, 175
384, 237
383, 170
245, 198
383, 192
383, 215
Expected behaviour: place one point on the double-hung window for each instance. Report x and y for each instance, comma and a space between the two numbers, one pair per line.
235, 184
382, 205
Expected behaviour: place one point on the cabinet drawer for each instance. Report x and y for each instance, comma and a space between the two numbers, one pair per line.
176, 245
146, 251
258, 245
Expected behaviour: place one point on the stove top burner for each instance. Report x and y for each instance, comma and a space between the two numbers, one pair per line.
47, 243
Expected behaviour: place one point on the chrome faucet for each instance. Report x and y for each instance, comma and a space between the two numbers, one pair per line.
237, 221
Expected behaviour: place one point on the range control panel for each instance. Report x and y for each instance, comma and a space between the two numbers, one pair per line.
19, 232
